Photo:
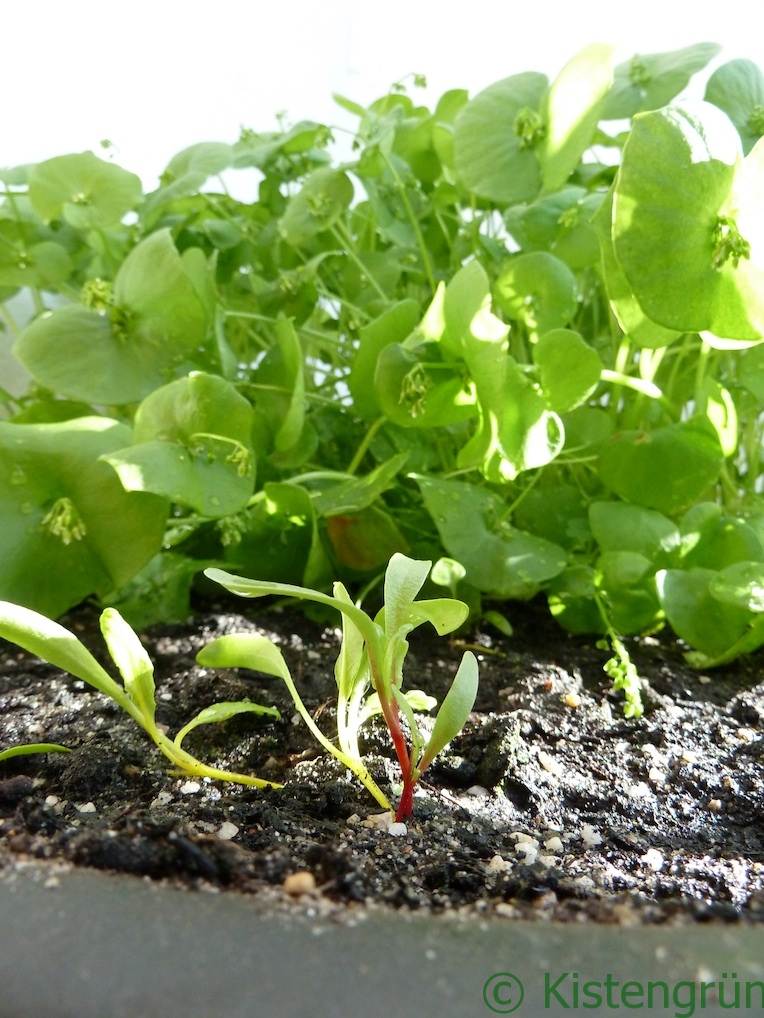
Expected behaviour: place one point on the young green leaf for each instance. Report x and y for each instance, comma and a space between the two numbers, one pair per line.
244, 650
132, 660
31, 748
403, 581
455, 709
222, 711
51, 642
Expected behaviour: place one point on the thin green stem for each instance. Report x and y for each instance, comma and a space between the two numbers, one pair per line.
343, 236
363, 448
413, 220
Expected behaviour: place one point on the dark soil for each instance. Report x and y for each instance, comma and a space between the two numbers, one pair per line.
651, 820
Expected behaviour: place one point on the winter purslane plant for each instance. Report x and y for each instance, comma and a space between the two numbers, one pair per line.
520, 331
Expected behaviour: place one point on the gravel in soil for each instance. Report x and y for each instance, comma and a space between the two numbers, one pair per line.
550, 804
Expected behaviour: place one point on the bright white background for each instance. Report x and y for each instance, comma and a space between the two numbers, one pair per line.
154, 76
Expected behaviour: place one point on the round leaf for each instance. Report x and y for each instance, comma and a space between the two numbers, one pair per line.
89, 192
569, 369
687, 225
539, 290
666, 469
492, 158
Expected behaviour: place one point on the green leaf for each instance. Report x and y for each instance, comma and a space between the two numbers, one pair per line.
621, 527
279, 535
257, 588
366, 539
219, 712
134, 664
326, 194
538, 290
392, 326
641, 330
444, 613
569, 369
192, 444
187, 171
666, 469
560, 223
153, 331
713, 539
737, 88
43, 265
66, 517
498, 559
492, 156
516, 431
689, 239
243, 650
357, 493
741, 584
416, 699
648, 82
455, 709
404, 578
414, 390
283, 368
36, 747
52, 643
572, 109
89, 192
706, 623
351, 666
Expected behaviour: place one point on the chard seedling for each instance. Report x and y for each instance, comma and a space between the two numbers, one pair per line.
51, 642
369, 669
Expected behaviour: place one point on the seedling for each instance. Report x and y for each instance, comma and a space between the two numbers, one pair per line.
368, 671
51, 642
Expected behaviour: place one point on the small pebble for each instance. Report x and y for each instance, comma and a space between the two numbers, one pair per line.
299, 883
715, 805
640, 790
227, 830
499, 864
589, 836
85, 807
189, 787
549, 764
653, 859
553, 844
572, 700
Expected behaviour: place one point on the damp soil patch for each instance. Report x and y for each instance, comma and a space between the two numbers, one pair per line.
549, 805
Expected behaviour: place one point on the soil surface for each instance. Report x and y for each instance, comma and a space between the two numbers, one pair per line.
549, 805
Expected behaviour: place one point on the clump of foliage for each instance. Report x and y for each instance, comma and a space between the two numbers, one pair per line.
369, 669
522, 331
55, 644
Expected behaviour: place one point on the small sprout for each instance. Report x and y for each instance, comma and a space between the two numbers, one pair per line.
64, 521
136, 696
728, 243
529, 127
368, 671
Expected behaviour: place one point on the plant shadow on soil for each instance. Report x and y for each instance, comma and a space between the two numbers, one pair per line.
549, 804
